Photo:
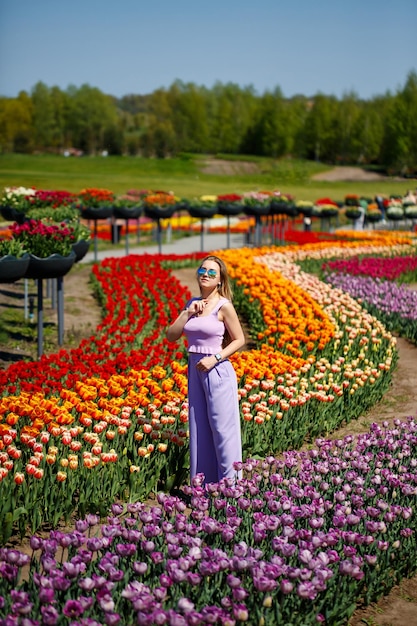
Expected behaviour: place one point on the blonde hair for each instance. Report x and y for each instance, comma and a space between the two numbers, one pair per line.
224, 288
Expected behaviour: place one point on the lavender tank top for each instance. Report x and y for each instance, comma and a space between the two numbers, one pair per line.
205, 333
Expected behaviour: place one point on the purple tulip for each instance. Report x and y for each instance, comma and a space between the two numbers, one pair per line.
116, 509
157, 557
87, 584
50, 615
112, 618
81, 525
36, 543
126, 550
307, 590
72, 609
139, 568
193, 579
185, 606
148, 546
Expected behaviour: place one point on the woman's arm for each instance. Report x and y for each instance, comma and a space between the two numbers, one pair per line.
231, 321
174, 331
194, 307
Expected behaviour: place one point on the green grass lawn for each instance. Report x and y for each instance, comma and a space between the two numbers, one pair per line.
183, 176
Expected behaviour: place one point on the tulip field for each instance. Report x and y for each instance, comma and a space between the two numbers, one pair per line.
97, 437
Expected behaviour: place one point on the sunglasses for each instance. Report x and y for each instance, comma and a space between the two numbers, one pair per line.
202, 271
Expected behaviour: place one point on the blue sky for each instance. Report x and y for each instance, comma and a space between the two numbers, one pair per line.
137, 46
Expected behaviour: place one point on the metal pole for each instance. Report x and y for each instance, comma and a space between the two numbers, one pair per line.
95, 241
127, 237
40, 318
60, 290
159, 233
202, 234
26, 299
52, 292
228, 231
257, 231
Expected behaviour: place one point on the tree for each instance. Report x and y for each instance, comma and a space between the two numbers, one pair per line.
188, 113
348, 112
230, 111
90, 113
158, 138
400, 139
16, 123
43, 117
368, 130
319, 129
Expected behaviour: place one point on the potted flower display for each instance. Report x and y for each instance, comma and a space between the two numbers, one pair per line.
353, 212
326, 208
373, 213
69, 215
127, 209
49, 247
157, 206
95, 204
14, 260
283, 205
160, 204
230, 204
352, 200
45, 198
410, 211
61, 213
395, 212
305, 207
256, 203
203, 207
15, 202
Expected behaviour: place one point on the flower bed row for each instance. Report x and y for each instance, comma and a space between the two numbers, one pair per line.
299, 540
394, 304
113, 412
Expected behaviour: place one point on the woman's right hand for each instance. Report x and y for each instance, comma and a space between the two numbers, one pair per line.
174, 331
196, 307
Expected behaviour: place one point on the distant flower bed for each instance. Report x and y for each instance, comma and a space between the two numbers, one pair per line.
394, 304
388, 268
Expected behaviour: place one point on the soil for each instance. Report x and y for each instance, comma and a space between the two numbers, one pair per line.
343, 173
349, 174
222, 167
82, 314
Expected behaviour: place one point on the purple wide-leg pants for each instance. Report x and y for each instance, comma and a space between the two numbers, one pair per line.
214, 421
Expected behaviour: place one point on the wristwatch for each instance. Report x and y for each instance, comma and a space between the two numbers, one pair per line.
218, 357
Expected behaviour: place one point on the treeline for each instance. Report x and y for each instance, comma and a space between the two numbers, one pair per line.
228, 119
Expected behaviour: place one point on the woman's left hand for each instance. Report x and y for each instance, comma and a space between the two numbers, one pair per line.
206, 363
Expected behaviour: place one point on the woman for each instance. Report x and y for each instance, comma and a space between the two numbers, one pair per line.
213, 333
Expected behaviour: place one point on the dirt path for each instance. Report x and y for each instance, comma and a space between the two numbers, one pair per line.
345, 173
82, 314
220, 167
349, 174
